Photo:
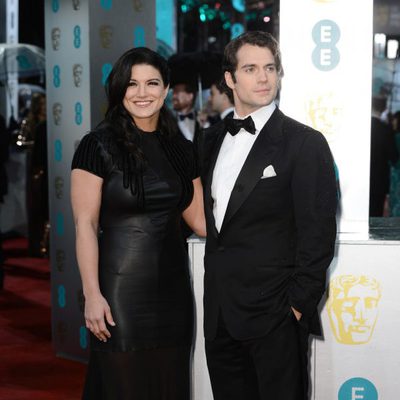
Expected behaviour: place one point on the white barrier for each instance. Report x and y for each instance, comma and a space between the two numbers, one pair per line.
359, 356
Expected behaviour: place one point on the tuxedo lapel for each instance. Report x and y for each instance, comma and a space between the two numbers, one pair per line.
261, 155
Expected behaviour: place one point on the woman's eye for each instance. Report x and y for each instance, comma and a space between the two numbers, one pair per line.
154, 83
132, 83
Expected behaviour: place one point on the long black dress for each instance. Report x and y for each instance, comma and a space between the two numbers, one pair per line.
143, 270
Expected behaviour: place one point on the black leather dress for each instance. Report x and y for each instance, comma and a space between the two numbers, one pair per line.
143, 270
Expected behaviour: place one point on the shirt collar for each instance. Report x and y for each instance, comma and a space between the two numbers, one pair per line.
226, 112
260, 116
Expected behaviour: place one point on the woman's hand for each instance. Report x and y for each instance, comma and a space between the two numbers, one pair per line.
96, 308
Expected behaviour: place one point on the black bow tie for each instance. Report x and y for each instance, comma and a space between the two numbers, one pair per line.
188, 115
235, 125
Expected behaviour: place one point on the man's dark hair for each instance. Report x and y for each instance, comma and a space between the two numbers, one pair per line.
254, 38
379, 103
222, 88
189, 88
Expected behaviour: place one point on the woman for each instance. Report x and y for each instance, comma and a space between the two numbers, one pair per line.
132, 179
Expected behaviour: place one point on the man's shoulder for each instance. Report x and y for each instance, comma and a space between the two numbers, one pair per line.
298, 131
211, 133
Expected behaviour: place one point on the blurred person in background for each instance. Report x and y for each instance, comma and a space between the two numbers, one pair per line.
220, 104
4, 147
34, 127
183, 103
394, 196
383, 154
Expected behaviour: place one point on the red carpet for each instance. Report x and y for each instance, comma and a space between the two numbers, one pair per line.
29, 368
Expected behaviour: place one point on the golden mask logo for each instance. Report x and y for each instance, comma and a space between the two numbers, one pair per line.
324, 113
61, 331
353, 308
77, 71
138, 5
59, 187
55, 38
57, 112
80, 300
60, 260
106, 35
76, 4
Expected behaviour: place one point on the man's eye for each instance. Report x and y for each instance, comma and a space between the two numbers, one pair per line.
271, 68
249, 69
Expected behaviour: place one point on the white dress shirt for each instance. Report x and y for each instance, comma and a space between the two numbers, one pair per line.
187, 127
232, 155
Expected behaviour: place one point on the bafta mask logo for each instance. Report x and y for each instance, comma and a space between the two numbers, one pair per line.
138, 5
353, 308
55, 38
77, 71
76, 4
61, 331
324, 113
81, 300
57, 111
106, 35
60, 260
59, 187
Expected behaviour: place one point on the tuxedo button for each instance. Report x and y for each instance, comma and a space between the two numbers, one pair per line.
221, 248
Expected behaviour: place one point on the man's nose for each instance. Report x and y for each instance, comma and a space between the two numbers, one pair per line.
263, 76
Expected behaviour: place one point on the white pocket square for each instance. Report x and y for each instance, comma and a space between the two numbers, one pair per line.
268, 172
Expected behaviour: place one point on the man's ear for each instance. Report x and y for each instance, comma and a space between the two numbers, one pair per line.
229, 80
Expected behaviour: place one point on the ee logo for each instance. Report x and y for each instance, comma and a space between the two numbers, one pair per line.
139, 37
55, 5
106, 4
358, 389
77, 36
56, 76
60, 224
58, 150
61, 296
83, 337
78, 113
326, 35
105, 71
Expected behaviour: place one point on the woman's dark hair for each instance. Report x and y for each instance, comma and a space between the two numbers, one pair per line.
120, 122
254, 38
116, 85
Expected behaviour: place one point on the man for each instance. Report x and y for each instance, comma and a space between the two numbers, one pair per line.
270, 203
383, 154
220, 102
183, 100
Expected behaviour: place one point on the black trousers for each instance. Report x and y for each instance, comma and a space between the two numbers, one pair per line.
272, 367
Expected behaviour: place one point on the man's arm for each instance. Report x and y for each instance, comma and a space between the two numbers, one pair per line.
315, 201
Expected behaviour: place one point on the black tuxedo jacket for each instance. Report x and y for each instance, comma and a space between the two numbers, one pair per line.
277, 238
